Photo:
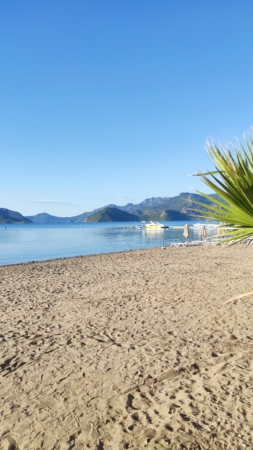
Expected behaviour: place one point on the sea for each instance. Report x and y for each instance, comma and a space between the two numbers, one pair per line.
22, 243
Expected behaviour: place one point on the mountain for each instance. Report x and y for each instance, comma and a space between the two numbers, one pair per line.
164, 214
8, 216
179, 207
183, 203
111, 215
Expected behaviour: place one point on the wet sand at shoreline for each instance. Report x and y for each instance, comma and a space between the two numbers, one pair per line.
131, 350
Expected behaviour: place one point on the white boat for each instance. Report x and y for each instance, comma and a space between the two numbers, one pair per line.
206, 225
154, 226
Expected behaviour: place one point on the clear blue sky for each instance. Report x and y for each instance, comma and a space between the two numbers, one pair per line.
112, 101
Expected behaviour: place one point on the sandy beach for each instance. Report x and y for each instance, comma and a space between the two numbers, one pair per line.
131, 350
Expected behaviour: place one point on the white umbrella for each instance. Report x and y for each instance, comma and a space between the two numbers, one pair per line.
186, 232
203, 232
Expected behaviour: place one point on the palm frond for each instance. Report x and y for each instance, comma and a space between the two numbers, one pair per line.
232, 180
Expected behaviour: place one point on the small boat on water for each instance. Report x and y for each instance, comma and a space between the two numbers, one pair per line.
154, 226
138, 227
206, 225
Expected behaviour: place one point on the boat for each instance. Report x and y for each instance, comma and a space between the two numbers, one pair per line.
154, 226
138, 227
206, 225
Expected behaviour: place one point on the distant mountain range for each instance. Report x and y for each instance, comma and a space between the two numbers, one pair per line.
47, 218
155, 208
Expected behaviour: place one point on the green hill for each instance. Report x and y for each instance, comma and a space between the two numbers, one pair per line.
8, 216
111, 215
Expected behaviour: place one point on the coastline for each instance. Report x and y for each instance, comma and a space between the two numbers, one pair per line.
131, 349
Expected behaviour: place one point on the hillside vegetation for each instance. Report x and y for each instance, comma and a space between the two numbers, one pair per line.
8, 216
111, 215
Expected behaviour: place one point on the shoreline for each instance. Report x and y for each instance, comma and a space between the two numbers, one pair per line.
130, 349
173, 245
76, 257
50, 242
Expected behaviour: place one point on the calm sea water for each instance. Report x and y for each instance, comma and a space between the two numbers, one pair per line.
24, 243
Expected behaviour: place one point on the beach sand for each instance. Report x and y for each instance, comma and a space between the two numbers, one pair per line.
131, 350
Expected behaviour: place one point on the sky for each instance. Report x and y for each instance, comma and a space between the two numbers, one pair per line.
112, 101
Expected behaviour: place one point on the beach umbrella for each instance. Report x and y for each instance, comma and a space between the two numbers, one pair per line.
203, 232
221, 230
186, 232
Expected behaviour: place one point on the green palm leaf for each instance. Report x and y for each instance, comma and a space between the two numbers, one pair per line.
232, 180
